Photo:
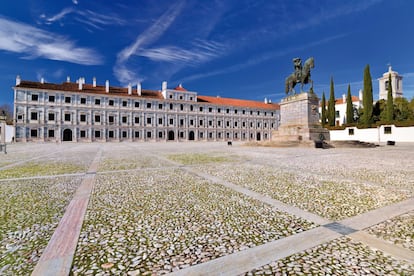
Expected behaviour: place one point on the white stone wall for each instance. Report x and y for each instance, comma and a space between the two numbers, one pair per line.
375, 135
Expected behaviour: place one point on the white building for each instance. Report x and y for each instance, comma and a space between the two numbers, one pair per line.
396, 83
89, 112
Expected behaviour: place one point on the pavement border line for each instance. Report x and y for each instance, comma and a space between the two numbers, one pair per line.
395, 251
246, 260
58, 255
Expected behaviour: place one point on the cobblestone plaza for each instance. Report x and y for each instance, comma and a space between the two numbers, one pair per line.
205, 208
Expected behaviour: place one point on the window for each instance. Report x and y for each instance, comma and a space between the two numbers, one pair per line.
210, 109
136, 104
97, 118
35, 97
148, 105
111, 102
181, 97
387, 130
235, 124
111, 134
337, 114
235, 111
258, 113
181, 107
160, 121
136, 134
97, 134
82, 133
110, 119
124, 134
243, 124
191, 98
160, 134
227, 110
51, 99
124, 103
181, 122
20, 117
68, 99
191, 108
83, 117
33, 116
351, 131
210, 122
137, 120
149, 134
51, 133
124, 119
191, 122
149, 121
201, 109
218, 110
171, 96
33, 133
201, 122
67, 117
51, 116
159, 106
171, 121
171, 106
227, 123
219, 123
244, 112
98, 101
83, 101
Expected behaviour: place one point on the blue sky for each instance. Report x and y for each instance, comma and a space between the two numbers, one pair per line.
231, 48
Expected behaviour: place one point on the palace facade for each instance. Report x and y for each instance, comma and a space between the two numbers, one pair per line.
77, 111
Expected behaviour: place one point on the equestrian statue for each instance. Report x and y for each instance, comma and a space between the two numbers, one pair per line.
301, 75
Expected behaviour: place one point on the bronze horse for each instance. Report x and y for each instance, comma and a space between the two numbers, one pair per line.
304, 78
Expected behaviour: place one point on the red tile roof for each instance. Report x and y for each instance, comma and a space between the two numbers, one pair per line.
341, 100
121, 91
88, 88
237, 102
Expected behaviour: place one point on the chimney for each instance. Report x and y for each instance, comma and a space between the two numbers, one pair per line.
129, 89
343, 98
80, 83
164, 86
18, 80
94, 82
42, 80
107, 86
139, 89
67, 79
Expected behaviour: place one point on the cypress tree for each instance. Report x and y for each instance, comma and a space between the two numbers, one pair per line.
349, 107
323, 107
390, 102
367, 100
331, 105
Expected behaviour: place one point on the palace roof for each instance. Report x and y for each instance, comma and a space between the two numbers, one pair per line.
123, 91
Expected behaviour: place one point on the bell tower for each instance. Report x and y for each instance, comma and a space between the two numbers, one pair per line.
396, 83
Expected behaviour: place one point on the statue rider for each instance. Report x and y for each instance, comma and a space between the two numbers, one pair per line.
297, 62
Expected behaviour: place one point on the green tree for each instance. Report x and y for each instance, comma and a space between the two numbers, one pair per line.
367, 99
331, 105
7, 110
390, 102
349, 107
323, 108
402, 109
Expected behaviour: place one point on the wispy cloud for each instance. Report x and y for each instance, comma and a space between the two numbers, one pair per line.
34, 43
190, 53
259, 59
90, 18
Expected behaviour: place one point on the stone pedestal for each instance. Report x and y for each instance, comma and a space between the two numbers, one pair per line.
299, 119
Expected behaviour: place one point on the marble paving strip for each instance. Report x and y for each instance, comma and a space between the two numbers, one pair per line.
396, 251
58, 256
261, 255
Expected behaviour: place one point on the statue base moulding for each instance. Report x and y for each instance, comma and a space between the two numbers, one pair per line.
299, 120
